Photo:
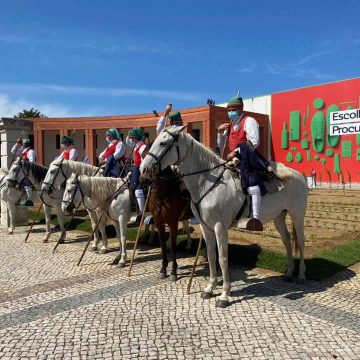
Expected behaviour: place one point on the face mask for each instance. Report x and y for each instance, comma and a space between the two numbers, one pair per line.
233, 115
108, 140
131, 142
64, 146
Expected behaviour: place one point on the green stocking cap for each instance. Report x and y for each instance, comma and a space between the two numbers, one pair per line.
235, 102
67, 139
176, 118
137, 133
114, 133
26, 142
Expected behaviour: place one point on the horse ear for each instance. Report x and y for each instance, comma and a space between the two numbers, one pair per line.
183, 127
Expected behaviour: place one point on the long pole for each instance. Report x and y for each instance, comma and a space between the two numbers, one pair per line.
139, 229
194, 265
60, 241
33, 222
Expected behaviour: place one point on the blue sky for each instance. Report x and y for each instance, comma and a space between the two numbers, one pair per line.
82, 57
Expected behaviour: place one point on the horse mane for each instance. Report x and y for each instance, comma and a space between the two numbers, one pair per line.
38, 171
100, 188
208, 158
79, 168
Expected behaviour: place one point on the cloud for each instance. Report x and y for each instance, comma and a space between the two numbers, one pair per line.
10, 107
247, 69
310, 57
92, 91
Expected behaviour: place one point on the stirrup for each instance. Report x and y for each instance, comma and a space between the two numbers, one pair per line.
26, 202
251, 224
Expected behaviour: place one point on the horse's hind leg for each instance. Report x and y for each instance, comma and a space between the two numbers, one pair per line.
161, 230
122, 237
299, 238
12, 208
186, 227
94, 220
173, 236
280, 226
102, 227
61, 220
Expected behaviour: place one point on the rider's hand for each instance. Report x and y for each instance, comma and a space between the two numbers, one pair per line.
223, 127
19, 141
168, 109
230, 155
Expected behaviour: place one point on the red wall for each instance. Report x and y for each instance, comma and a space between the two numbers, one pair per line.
310, 117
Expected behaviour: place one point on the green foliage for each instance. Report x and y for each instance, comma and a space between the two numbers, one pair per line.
32, 113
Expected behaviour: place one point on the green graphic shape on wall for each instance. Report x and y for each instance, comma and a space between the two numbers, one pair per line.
323, 161
332, 140
316, 157
358, 139
305, 144
285, 137
294, 125
298, 157
318, 103
337, 164
346, 149
358, 155
308, 155
289, 157
329, 152
318, 131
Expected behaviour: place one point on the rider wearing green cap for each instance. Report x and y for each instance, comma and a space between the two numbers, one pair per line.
136, 139
115, 147
69, 152
175, 119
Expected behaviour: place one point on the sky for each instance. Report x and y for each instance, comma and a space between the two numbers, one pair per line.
111, 57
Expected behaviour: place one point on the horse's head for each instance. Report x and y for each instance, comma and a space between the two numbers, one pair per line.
16, 175
166, 150
54, 177
71, 195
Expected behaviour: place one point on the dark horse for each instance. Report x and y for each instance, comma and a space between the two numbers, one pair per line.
168, 204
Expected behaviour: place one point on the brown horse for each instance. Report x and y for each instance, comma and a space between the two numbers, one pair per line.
168, 204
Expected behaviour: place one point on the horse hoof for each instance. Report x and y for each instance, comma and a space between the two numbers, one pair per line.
300, 281
222, 304
162, 275
103, 251
173, 277
288, 279
121, 265
10, 232
45, 240
206, 295
62, 241
93, 248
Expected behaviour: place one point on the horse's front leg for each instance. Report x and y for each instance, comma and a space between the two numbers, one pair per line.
186, 227
94, 220
12, 208
61, 221
122, 239
222, 242
173, 237
47, 211
102, 227
210, 240
161, 229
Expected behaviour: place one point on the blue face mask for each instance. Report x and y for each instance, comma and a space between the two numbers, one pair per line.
233, 115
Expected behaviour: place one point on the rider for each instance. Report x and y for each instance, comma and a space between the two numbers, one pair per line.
113, 153
175, 119
69, 152
23, 150
136, 139
244, 138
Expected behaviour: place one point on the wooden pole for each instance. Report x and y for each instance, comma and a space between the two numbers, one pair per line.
33, 222
139, 229
66, 227
90, 237
194, 265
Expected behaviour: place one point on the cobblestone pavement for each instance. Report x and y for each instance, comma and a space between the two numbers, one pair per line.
52, 309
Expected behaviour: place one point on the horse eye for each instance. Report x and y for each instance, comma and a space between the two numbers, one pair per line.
162, 143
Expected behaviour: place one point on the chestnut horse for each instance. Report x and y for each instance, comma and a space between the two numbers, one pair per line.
169, 204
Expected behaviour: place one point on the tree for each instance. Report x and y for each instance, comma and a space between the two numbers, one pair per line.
32, 113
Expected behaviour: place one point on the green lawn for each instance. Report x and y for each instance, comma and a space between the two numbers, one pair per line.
323, 264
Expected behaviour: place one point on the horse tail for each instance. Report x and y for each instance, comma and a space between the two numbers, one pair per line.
294, 239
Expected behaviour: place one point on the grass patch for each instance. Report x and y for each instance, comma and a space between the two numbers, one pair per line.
322, 265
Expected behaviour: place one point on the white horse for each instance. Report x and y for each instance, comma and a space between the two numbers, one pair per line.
59, 171
12, 193
217, 197
109, 195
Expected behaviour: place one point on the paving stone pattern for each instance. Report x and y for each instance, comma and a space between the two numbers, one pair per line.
52, 309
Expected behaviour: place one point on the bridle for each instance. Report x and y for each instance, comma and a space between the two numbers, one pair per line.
70, 203
13, 181
59, 168
159, 158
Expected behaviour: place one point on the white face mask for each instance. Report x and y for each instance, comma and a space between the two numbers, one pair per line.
108, 140
130, 142
64, 146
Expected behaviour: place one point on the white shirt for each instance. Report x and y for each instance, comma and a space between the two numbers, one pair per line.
161, 124
120, 150
16, 149
73, 155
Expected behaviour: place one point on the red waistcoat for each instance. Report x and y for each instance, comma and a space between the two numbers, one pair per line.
110, 150
66, 153
137, 156
237, 136
24, 154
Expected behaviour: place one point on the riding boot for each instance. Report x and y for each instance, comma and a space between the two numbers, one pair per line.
139, 193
